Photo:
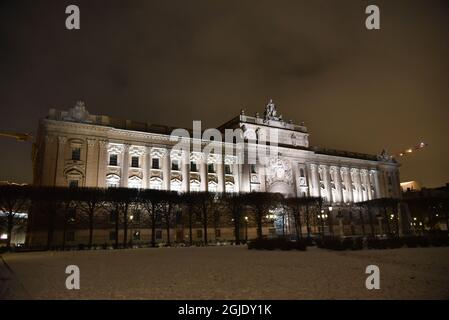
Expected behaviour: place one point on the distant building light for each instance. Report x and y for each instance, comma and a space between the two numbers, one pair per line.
4, 236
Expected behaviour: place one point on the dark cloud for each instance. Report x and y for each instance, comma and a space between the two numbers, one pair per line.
172, 62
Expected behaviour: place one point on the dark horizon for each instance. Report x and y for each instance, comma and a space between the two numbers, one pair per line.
173, 62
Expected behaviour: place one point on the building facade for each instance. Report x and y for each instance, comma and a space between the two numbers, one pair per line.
75, 148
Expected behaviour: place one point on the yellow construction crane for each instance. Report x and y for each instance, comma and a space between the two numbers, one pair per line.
17, 135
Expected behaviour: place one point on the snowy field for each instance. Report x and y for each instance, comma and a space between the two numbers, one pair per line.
227, 273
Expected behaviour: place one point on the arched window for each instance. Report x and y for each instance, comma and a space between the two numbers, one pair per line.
212, 187
135, 182
175, 185
112, 181
194, 185
156, 183
301, 173
229, 187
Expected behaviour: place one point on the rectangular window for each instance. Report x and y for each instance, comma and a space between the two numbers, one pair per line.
112, 235
135, 162
217, 233
253, 168
301, 173
73, 183
155, 163
228, 169
199, 234
211, 168
70, 236
193, 167
76, 154
136, 235
113, 160
175, 165
159, 234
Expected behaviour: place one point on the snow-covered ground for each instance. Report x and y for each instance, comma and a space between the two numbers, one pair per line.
227, 273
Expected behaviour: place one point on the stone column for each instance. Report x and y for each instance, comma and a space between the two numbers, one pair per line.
125, 167
378, 193
102, 163
147, 176
220, 174
236, 174
144, 167
315, 179
185, 171
349, 185
327, 183
245, 178
60, 160
166, 170
338, 183
91, 164
203, 173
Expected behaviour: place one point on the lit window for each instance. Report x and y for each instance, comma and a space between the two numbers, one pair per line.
194, 186
175, 185
136, 235
229, 187
135, 162
156, 183
212, 186
76, 154
112, 181
199, 234
135, 182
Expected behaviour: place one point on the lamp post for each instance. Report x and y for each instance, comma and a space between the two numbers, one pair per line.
131, 217
322, 217
330, 222
246, 229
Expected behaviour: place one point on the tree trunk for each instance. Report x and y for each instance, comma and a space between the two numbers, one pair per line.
116, 227
371, 222
91, 228
190, 227
125, 227
9, 229
153, 225
308, 221
237, 229
205, 226
259, 225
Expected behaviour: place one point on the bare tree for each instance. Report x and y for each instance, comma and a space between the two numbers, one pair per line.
261, 203
13, 199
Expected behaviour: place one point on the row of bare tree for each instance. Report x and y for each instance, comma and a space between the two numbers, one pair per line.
58, 208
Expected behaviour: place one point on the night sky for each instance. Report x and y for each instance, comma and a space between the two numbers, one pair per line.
171, 62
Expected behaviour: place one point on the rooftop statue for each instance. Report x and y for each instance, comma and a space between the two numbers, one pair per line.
271, 112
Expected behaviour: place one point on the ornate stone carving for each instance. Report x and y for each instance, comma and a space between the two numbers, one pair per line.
271, 112
78, 113
278, 170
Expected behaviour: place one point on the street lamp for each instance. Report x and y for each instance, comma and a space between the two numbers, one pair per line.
331, 225
246, 229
